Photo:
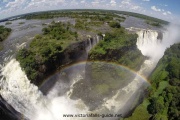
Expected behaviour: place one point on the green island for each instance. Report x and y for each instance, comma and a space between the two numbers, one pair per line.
157, 24
119, 47
21, 23
8, 23
44, 51
162, 103
4, 33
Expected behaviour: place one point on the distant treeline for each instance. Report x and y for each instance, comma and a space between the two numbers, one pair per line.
59, 13
143, 17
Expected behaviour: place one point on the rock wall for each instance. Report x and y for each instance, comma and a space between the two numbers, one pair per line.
73, 53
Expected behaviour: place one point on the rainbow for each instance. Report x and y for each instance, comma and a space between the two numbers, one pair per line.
74, 65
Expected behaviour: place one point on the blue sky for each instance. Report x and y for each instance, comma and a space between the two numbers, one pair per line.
164, 9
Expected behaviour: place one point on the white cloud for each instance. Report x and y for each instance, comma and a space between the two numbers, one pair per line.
155, 8
146, 0
160, 11
126, 2
113, 3
44, 4
82, 1
164, 13
131, 6
135, 7
169, 12
95, 2
16, 3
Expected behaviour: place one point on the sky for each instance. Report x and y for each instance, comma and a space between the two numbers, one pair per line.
165, 9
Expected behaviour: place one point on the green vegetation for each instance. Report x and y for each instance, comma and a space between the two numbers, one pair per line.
120, 47
4, 33
140, 112
114, 24
82, 14
164, 93
61, 32
44, 52
8, 23
145, 17
21, 23
157, 24
84, 20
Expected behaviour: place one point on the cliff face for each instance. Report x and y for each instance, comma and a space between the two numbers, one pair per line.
73, 53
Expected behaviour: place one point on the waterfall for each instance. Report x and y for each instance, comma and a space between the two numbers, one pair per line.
17, 90
91, 42
25, 97
153, 43
147, 42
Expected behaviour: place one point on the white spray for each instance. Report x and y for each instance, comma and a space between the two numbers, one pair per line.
154, 48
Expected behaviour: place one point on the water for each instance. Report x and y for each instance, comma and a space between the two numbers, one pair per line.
138, 23
24, 33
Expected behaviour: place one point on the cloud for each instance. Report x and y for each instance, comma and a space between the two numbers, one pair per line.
113, 3
126, 2
131, 6
95, 2
164, 13
155, 8
15, 3
146, 0
44, 4
169, 12
135, 7
83, 1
